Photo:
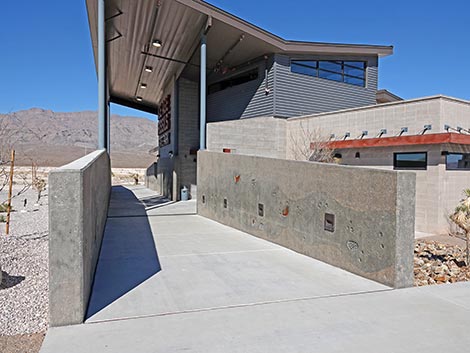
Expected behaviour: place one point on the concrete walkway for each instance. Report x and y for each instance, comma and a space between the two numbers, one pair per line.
169, 281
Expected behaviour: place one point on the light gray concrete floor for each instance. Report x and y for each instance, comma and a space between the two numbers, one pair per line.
169, 281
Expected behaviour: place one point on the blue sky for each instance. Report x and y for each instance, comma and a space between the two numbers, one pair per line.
46, 58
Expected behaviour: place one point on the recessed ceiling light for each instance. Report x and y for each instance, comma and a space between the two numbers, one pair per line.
157, 43
143, 85
138, 99
148, 68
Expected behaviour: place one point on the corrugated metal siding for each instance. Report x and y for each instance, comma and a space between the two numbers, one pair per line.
297, 94
243, 101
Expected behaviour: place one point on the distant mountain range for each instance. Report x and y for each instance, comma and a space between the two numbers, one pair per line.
50, 138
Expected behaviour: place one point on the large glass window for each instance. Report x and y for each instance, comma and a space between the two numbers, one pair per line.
458, 161
351, 72
410, 160
305, 67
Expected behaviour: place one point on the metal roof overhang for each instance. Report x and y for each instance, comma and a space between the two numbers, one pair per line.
131, 25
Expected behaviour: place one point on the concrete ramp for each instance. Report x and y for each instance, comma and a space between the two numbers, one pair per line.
179, 282
159, 258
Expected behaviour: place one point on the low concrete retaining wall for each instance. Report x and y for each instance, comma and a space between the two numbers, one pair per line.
358, 219
78, 206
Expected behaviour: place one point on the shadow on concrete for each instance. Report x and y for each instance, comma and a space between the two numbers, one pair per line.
10, 281
128, 254
156, 202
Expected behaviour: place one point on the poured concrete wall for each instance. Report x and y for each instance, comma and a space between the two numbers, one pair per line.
78, 205
374, 210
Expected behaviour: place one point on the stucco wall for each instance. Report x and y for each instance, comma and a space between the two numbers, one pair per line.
78, 205
374, 221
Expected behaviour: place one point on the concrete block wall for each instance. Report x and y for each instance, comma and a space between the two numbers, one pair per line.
437, 190
78, 206
286, 202
188, 134
427, 181
174, 170
264, 136
455, 112
451, 186
413, 114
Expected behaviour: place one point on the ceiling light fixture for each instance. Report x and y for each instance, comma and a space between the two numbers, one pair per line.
157, 43
138, 99
143, 85
148, 68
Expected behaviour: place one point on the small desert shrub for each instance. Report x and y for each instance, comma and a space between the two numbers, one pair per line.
3, 207
461, 217
39, 185
135, 177
2, 219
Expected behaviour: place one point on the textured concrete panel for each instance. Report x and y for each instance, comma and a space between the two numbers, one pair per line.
78, 205
289, 202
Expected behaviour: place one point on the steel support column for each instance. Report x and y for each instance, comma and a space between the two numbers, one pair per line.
102, 104
203, 84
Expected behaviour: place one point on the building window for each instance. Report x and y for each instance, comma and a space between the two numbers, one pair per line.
410, 160
234, 81
458, 161
351, 72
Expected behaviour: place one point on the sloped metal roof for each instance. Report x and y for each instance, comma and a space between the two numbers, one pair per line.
131, 26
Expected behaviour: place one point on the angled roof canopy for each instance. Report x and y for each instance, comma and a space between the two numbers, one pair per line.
133, 25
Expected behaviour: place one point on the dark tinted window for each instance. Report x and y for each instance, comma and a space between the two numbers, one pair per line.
456, 161
351, 72
414, 160
358, 64
333, 66
304, 69
234, 81
330, 76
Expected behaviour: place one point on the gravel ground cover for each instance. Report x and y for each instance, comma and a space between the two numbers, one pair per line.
28, 343
24, 262
439, 262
